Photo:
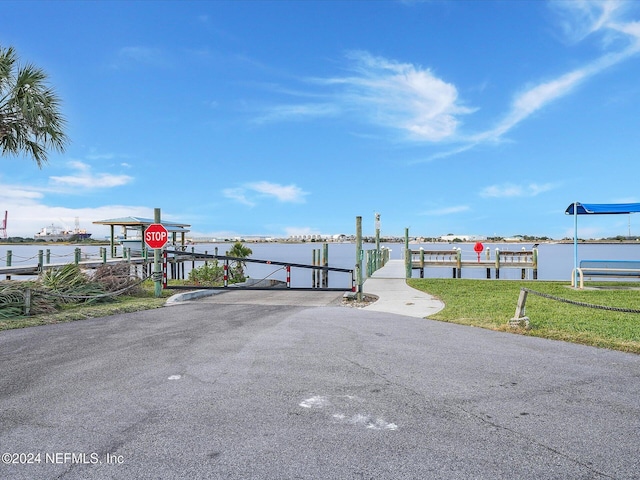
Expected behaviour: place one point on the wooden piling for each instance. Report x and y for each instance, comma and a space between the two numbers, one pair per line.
325, 263
359, 256
488, 258
407, 254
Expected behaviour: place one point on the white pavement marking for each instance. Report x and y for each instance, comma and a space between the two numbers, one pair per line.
357, 419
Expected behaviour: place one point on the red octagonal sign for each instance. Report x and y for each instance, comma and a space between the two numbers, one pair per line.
156, 236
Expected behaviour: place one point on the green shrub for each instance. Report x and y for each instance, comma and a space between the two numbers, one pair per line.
210, 274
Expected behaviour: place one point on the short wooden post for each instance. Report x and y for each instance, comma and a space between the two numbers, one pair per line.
459, 262
27, 302
104, 255
497, 263
535, 263
48, 256
40, 256
519, 319
9, 256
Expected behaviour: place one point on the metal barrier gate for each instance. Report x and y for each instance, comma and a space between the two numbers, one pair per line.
181, 256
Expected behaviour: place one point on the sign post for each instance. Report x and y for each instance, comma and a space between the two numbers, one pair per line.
478, 248
156, 237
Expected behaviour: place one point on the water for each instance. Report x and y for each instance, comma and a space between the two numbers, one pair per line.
555, 261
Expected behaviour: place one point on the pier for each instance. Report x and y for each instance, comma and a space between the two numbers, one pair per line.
44, 262
522, 259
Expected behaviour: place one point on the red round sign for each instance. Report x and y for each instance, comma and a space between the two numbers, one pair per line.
156, 236
478, 247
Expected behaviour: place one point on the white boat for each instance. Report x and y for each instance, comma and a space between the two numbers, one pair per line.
55, 234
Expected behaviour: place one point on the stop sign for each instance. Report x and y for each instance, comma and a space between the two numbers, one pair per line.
156, 236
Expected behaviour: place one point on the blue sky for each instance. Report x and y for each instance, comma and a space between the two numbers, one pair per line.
294, 117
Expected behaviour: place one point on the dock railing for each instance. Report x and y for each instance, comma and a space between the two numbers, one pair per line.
522, 259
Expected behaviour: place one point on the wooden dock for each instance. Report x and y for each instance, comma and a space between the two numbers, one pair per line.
523, 259
36, 269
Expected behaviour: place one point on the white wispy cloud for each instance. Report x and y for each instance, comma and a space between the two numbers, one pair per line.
141, 55
402, 96
86, 179
414, 100
239, 195
583, 18
29, 212
384, 92
580, 18
447, 210
250, 193
10, 193
280, 113
283, 193
506, 190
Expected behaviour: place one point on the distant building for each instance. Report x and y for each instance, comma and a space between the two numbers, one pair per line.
515, 238
463, 238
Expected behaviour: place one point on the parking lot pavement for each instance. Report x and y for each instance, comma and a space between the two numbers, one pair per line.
236, 390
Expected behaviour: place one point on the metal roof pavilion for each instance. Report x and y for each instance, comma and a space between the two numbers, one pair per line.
577, 208
140, 224
602, 208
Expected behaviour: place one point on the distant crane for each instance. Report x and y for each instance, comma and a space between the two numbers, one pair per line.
3, 226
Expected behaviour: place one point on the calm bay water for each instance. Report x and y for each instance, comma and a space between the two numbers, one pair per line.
555, 261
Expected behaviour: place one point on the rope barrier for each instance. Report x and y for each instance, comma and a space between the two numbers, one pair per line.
580, 304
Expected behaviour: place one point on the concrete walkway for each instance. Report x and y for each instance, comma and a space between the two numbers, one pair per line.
395, 296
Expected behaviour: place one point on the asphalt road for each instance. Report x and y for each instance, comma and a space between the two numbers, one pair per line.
231, 387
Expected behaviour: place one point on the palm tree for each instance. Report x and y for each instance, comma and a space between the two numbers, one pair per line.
239, 251
30, 118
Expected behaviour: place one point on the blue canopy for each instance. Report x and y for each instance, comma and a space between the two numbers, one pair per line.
577, 208
603, 208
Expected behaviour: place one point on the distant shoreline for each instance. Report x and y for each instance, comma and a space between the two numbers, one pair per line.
366, 240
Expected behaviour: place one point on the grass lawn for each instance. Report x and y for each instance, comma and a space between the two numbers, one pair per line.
491, 303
